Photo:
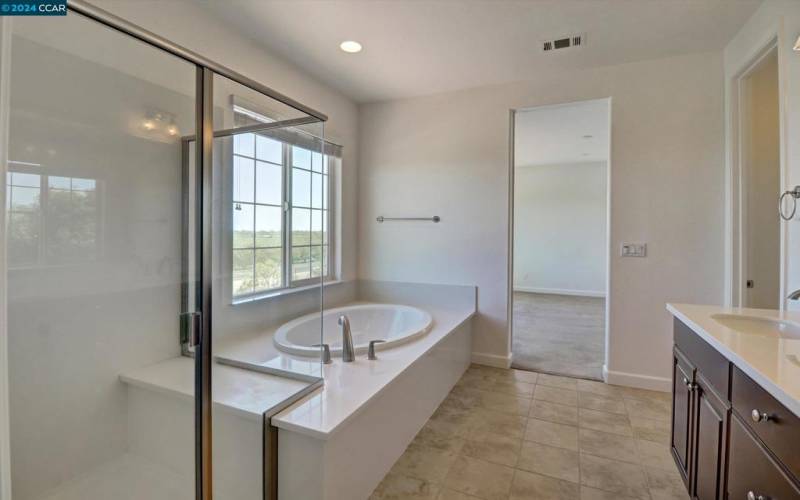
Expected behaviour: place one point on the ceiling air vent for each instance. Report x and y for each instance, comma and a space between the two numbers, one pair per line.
564, 42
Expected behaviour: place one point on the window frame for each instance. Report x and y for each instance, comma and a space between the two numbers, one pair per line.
287, 283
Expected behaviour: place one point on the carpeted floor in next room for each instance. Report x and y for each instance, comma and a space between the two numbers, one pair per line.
559, 334
516, 435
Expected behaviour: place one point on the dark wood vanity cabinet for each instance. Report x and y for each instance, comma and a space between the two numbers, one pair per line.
700, 415
682, 383
722, 449
710, 440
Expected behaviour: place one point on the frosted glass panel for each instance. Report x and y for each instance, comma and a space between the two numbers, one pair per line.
97, 263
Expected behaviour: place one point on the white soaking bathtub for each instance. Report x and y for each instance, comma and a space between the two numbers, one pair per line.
396, 324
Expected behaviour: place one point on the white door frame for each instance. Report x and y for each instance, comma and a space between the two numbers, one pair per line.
512, 114
736, 201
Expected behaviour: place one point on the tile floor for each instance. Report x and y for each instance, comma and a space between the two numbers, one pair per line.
512, 435
559, 334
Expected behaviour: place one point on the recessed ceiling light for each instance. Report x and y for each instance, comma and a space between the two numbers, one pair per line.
585, 154
588, 136
350, 46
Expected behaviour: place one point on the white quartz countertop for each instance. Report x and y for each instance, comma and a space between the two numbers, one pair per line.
244, 392
771, 361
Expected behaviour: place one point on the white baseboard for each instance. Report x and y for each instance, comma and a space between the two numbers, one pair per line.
482, 358
560, 291
635, 380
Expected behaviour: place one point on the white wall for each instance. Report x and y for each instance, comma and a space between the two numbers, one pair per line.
779, 19
560, 228
447, 154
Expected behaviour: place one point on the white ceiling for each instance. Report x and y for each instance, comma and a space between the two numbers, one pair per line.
423, 47
555, 135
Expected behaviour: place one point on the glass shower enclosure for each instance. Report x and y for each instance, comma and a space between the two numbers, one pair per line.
146, 213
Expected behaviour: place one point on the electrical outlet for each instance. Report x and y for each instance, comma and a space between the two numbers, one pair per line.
633, 250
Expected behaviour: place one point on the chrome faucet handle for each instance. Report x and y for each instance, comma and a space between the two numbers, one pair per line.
348, 352
371, 351
326, 353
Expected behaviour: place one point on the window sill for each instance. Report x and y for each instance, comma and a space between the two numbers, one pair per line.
282, 293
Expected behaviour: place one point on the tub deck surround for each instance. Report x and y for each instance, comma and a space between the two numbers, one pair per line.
247, 393
349, 387
772, 362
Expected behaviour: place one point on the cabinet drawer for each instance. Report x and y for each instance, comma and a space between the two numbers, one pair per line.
781, 432
752, 469
707, 360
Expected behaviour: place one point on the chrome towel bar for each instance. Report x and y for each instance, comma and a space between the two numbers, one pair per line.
435, 218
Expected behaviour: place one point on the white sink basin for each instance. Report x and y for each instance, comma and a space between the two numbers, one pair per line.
755, 325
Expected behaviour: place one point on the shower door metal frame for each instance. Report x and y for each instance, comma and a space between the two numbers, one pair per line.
206, 69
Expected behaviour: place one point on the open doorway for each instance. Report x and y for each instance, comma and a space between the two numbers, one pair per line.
760, 183
560, 238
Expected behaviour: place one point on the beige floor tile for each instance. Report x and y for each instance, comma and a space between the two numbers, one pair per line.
504, 403
650, 429
399, 487
550, 461
448, 494
528, 486
600, 388
440, 437
659, 410
553, 412
604, 421
646, 395
656, 455
552, 434
477, 381
665, 484
519, 375
424, 463
462, 397
557, 381
445, 428
604, 444
513, 388
478, 478
613, 476
555, 395
492, 422
593, 401
588, 493
452, 420
490, 371
494, 448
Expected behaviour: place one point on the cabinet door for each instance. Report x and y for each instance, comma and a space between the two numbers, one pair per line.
711, 421
682, 382
753, 473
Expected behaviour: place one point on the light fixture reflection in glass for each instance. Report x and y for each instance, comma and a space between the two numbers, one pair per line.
350, 46
159, 125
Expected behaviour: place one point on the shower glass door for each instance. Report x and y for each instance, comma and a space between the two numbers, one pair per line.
266, 271
99, 276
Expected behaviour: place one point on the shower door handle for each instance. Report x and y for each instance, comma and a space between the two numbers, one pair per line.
191, 325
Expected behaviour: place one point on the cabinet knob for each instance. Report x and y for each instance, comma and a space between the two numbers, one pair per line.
758, 416
753, 496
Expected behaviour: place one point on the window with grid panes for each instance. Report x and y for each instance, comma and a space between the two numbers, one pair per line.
280, 215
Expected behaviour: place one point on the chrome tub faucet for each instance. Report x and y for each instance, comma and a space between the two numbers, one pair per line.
348, 353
